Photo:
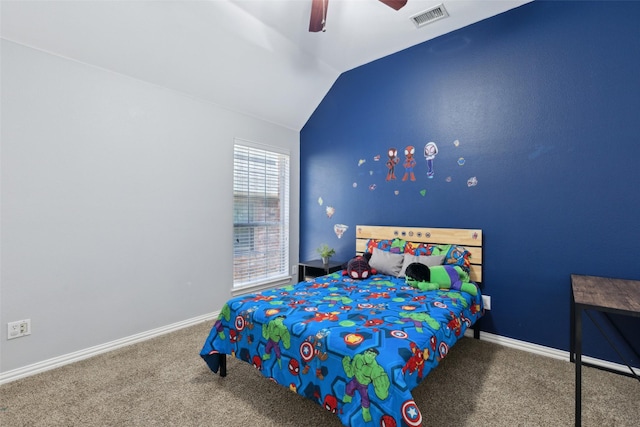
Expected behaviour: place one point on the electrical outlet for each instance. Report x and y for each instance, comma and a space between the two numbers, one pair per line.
294, 270
486, 300
18, 329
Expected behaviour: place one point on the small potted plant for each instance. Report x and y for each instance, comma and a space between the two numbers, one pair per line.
325, 252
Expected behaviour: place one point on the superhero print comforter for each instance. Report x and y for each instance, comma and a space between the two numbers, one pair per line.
356, 347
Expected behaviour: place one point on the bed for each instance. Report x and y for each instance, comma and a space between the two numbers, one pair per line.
357, 347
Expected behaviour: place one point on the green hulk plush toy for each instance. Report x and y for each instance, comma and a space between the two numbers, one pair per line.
439, 277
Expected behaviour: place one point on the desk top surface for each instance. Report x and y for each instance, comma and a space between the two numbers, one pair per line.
617, 295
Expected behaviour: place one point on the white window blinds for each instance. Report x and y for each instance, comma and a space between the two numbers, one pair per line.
260, 214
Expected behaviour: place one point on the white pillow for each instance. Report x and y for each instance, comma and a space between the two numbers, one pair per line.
386, 262
429, 261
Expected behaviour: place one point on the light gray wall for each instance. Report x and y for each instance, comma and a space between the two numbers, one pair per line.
116, 204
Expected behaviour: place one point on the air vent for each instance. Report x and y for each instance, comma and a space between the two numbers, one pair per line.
430, 15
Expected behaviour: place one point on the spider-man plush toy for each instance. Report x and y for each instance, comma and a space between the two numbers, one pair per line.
359, 268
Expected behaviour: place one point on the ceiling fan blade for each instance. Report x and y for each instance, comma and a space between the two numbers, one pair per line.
318, 15
395, 4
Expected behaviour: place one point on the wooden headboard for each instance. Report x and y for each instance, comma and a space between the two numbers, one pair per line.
470, 239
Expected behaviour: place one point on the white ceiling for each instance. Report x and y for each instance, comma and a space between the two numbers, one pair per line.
252, 56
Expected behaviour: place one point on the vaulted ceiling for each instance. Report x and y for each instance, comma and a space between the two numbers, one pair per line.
253, 56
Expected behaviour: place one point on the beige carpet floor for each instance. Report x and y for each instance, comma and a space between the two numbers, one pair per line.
164, 382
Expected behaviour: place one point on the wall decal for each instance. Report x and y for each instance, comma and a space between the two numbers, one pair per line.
430, 152
339, 229
409, 163
391, 163
320, 201
330, 210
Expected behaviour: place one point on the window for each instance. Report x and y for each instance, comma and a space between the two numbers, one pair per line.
260, 214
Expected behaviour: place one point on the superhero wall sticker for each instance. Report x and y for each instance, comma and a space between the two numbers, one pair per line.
405, 166
413, 168
338, 229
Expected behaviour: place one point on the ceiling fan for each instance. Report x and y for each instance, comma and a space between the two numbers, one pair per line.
318, 19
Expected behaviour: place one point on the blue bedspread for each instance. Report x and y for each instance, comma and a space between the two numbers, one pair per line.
356, 347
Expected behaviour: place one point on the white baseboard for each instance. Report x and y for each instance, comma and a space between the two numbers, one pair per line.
76, 356
66, 359
549, 352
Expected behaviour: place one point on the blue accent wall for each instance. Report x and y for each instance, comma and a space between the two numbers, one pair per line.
536, 117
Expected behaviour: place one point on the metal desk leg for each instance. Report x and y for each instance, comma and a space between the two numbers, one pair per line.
577, 324
572, 330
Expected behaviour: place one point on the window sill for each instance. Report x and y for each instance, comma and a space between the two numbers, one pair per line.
261, 286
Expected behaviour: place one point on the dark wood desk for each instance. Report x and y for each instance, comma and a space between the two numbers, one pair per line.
600, 294
314, 268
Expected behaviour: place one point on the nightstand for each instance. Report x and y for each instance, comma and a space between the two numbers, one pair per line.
314, 268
